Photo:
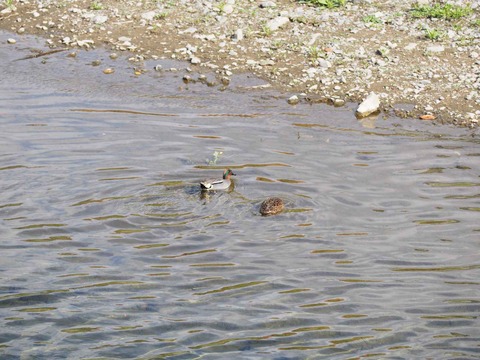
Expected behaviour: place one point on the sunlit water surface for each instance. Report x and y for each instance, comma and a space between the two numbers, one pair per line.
109, 249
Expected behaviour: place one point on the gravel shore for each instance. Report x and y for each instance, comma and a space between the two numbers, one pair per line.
421, 65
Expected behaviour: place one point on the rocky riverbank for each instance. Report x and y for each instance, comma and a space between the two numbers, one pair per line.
421, 58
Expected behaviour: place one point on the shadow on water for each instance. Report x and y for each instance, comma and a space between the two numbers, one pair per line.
110, 249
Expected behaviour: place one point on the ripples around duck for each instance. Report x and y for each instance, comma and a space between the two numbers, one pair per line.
110, 250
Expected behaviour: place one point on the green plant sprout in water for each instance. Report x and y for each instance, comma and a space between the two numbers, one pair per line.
215, 157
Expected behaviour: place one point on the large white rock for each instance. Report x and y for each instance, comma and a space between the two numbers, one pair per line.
369, 105
277, 23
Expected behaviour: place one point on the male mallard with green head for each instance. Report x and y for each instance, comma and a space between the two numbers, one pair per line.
218, 184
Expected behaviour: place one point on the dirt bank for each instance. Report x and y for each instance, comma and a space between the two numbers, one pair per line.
418, 61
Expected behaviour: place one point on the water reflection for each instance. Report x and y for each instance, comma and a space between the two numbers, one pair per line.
110, 249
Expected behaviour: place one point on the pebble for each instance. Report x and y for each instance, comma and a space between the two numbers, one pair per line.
427, 117
124, 39
228, 9
100, 19
325, 64
86, 43
195, 60
108, 71
7, 10
277, 23
293, 100
435, 48
238, 35
267, 62
149, 16
225, 80
267, 4
11, 41
410, 46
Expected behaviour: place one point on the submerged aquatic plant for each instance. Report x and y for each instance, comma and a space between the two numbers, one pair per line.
215, 157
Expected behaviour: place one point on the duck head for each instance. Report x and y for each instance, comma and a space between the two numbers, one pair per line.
227, 173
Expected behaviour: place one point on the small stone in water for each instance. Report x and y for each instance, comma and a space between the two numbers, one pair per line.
113, 56
157, 67
293, 100
225, 81
427, 117
96, 62
11, 41
195, 60
108, 71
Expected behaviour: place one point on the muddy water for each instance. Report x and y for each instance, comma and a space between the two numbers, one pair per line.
109, 249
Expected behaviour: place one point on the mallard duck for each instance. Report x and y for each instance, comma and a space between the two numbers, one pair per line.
218, 184
272, 206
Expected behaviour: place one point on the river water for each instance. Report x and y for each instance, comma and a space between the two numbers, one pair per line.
109, 250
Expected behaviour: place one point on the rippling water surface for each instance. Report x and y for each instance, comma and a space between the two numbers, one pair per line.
109, 249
